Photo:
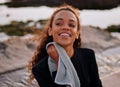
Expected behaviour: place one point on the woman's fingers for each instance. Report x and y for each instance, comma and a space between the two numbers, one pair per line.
52, 52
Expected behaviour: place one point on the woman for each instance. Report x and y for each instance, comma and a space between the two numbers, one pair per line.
64, 28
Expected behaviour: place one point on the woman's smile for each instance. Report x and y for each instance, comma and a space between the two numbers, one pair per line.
64, 35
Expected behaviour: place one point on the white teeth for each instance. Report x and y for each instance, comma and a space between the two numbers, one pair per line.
64, 34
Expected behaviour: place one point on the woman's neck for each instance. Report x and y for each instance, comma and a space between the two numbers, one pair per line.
69, 51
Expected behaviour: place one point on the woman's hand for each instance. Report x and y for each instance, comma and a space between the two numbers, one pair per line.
52, 52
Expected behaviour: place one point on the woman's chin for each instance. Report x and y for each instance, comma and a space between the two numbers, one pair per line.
64, 43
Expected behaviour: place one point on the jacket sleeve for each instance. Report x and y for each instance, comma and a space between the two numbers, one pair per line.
94, 75
41, 74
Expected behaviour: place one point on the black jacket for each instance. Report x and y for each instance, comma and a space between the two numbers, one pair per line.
84, 63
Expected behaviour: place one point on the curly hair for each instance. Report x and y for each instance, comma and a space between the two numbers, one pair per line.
44, 38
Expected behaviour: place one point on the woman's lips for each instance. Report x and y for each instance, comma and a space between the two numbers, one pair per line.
64, 34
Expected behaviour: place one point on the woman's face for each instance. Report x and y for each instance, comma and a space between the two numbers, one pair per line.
64, 28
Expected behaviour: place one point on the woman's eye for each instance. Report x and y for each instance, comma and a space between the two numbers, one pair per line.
58, 24
72, 25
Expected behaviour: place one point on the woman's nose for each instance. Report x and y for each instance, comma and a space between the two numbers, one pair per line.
65, 26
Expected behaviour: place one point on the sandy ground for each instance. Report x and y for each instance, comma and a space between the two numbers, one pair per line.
112, 80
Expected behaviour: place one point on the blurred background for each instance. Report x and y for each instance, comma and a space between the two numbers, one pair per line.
20, 19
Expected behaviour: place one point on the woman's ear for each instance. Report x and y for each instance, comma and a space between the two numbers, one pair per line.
49, 31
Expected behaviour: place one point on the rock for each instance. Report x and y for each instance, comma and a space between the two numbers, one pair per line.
3, 46
18, 52
16, 78
16, 55
81, 4
116, 34
97, 39
3, 37
108, 61
112, 80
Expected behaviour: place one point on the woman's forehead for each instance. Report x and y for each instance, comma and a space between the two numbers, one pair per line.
65, 14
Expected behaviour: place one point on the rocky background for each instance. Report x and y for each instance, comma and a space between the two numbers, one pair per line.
15, 52
81, 4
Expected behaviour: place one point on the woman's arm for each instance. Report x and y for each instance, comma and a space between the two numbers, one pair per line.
41, 74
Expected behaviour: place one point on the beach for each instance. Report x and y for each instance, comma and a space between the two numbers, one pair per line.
16, 51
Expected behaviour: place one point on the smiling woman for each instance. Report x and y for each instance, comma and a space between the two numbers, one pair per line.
63, 31
64, 28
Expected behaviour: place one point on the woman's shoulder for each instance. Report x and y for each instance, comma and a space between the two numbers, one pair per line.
86, 54
41, 65
85, 50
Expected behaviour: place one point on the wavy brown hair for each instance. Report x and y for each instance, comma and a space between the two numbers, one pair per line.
44, 38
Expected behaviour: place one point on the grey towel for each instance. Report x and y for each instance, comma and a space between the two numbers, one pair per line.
66, 73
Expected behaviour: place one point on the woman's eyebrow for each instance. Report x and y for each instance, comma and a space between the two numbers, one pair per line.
59, 19
71, 20
62, 19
